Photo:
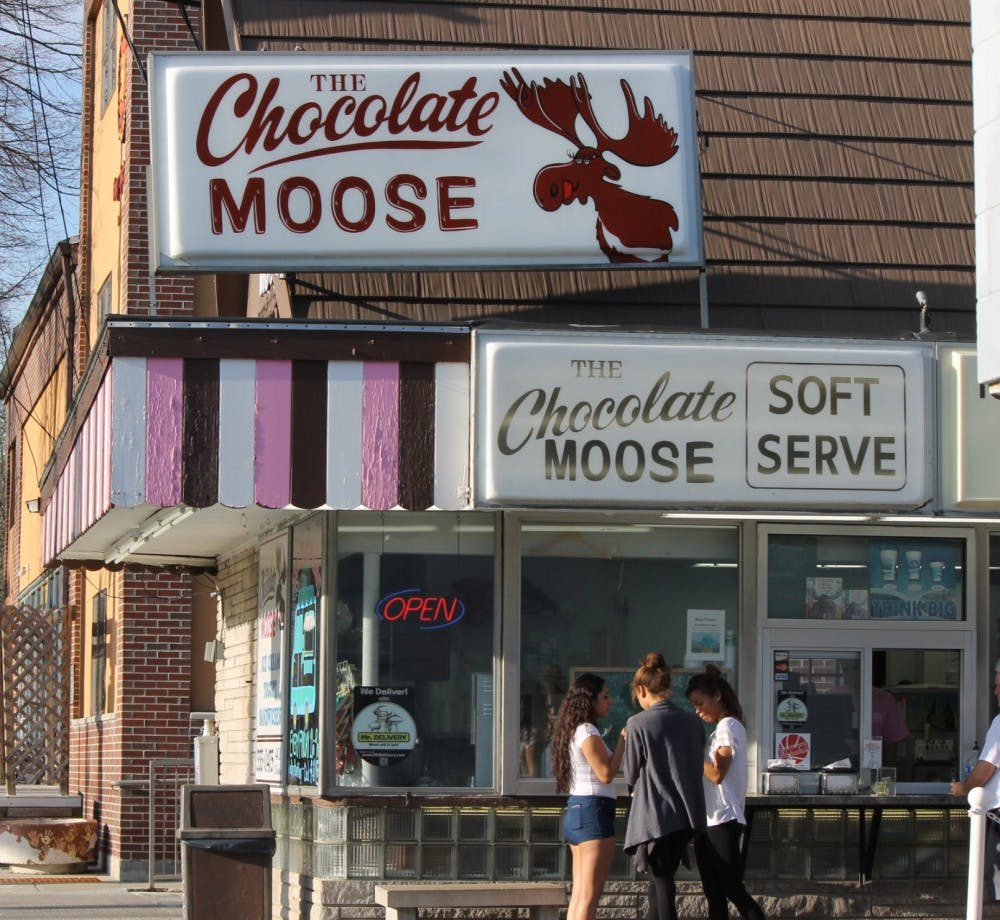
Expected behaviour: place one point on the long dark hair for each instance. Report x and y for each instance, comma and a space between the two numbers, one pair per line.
712, 684
576, 708
653, 674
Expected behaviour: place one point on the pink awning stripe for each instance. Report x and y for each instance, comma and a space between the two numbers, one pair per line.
164, 430
104, 435
134, 442
380, 436
273, 434
89, 468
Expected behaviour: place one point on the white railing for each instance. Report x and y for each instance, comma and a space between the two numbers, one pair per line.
977, 854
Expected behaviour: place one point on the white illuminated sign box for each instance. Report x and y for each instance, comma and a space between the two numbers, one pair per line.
613, 419
281, 162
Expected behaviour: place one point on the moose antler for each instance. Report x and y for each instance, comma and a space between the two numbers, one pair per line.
648, 141
553, 105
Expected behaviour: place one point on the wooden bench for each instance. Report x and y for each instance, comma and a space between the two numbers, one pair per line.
402, 901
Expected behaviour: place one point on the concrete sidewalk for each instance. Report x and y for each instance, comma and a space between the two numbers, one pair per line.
86, 897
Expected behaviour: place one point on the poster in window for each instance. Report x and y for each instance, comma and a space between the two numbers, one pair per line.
706, 633
914, 580
384, 730
272, 604
303, 704
795, 747
824, 599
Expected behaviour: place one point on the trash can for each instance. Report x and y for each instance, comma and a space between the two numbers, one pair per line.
227, 843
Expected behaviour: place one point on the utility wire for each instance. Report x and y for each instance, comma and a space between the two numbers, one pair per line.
128, 38
25, 30
34, 69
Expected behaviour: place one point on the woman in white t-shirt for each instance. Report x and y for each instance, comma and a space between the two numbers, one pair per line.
718, 849
584, 767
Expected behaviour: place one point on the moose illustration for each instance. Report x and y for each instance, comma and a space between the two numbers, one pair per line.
630, 227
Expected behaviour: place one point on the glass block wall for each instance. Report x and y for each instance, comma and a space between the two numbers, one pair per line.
822, 844
524, 843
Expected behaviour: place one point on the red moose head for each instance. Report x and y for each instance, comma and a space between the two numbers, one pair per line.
630, 227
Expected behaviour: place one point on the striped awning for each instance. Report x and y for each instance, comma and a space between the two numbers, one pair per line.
271, 433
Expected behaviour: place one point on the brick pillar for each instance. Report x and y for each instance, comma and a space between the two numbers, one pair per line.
151, 653
152, 684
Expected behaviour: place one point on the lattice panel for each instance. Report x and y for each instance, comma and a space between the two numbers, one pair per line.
34, 655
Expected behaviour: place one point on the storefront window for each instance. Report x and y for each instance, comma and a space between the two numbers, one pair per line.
415, 640
598, 597
865, 578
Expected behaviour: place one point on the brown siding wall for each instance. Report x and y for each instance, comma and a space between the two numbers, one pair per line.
836, 159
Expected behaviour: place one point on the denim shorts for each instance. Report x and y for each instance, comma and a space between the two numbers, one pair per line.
588, 817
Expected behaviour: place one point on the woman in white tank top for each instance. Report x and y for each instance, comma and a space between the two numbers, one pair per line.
717, 850
585, 768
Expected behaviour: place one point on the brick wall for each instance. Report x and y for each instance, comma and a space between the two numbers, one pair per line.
151, 718
160, 27
235, 697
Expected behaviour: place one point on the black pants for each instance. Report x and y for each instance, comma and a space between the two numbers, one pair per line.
718, 855
665, 856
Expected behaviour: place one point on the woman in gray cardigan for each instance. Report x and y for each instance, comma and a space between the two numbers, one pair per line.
664, 749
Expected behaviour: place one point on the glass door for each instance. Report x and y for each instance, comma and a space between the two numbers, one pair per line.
826, 694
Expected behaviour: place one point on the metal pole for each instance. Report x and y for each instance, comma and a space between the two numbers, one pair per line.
152, 826
703, 297
977, 853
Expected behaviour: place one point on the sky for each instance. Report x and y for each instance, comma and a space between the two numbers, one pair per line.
56, 45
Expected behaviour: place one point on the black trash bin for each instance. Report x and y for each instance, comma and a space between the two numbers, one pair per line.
227, 843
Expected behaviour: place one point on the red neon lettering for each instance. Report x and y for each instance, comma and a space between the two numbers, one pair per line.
387, 613
425, 609
413, 605
449, 611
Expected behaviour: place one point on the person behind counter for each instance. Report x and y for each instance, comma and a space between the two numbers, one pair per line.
583, 766
663, 757
725, 768
986, 774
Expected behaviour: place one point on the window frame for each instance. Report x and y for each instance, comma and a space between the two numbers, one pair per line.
328, 680
511, 782
109, 56
969, 575
865, 636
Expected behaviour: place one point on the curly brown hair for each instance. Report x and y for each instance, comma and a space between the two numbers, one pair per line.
577, 708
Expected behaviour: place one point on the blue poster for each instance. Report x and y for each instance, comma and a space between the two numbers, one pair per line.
914, 579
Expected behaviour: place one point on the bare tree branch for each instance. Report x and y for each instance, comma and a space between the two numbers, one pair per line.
40, 63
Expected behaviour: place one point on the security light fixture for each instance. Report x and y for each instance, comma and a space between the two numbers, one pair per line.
925, 316
34, 505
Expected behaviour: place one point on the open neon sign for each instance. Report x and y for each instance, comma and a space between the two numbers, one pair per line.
429, 610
